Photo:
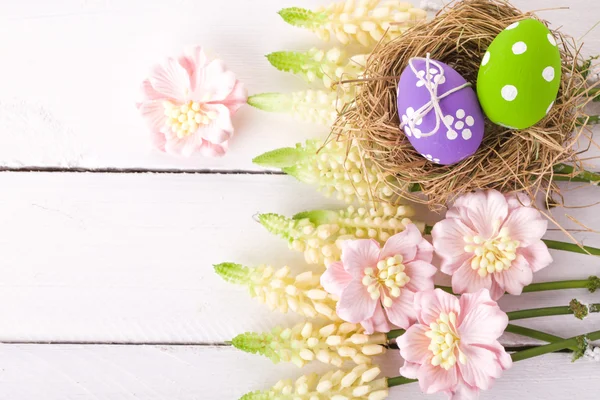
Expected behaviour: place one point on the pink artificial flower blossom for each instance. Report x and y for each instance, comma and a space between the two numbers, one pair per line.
189, 102
376, 284
491, 241
453, 347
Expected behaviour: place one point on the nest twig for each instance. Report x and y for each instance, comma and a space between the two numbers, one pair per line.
508, 160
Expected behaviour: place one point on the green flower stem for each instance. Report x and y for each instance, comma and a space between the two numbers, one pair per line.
399, 380
531, 333
572, 247
556, 346
525, 354
566, 171
592, 284
574, 308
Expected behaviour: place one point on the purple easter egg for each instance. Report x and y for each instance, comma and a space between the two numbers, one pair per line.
446, 134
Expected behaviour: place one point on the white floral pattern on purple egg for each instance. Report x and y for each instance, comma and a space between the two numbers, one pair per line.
461, 128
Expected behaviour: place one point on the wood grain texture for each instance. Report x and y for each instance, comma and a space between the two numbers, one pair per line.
70, 83
69, 372
128, 257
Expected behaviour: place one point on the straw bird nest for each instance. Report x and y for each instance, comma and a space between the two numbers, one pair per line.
508, 160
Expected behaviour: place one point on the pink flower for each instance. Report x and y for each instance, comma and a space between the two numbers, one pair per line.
188, 104
375, 284
491, 241
453, 348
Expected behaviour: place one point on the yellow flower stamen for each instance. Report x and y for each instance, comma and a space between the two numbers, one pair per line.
390, 275
185, 119
445, 342
493, 255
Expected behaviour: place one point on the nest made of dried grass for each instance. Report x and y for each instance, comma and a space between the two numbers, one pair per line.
508, 160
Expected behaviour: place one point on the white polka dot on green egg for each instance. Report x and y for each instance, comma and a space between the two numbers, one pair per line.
520, 74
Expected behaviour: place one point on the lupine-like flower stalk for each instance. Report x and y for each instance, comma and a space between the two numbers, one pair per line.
279, 290
319, 233
330, 344
335, 168
358, 383
330, 66
362, 21
317, 106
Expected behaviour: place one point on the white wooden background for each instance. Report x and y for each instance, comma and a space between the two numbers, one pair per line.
106, 282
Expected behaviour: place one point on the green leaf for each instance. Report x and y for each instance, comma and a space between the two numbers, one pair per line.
317, 217
258, 395
250, 342
289, 61
275, 224
302, 17
280, 158
272, 102
300, 173
232, 273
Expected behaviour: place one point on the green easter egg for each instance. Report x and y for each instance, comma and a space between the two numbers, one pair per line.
519, 77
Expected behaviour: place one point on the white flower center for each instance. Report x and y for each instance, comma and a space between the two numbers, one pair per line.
492, 255
389, 274
184, 120
444, 342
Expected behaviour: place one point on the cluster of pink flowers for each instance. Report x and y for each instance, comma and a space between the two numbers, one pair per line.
189, 102
490, 244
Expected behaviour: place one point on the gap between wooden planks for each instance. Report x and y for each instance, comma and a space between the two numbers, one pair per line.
59, 372
127, 258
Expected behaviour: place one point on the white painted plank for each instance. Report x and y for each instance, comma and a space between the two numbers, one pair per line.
68, 372
69, 81
128, 257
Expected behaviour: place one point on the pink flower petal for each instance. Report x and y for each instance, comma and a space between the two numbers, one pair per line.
410, 370
159, 140
237, 98
502, 356
448, 242
436, 379
209, 149
448, 237
517, 200
402, 312
421, 275
153, 113
403, 243
219, 130
356, 304
424, 251
335, 279
149, 93
414, 345
526, 225
377, 323
537, 255
214, 83
516, 277
485, 209
469, 301
480, 368
172, 80
193, 60
463, 391
358, 255
496, 291
430, 304
467, 280
484, 324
